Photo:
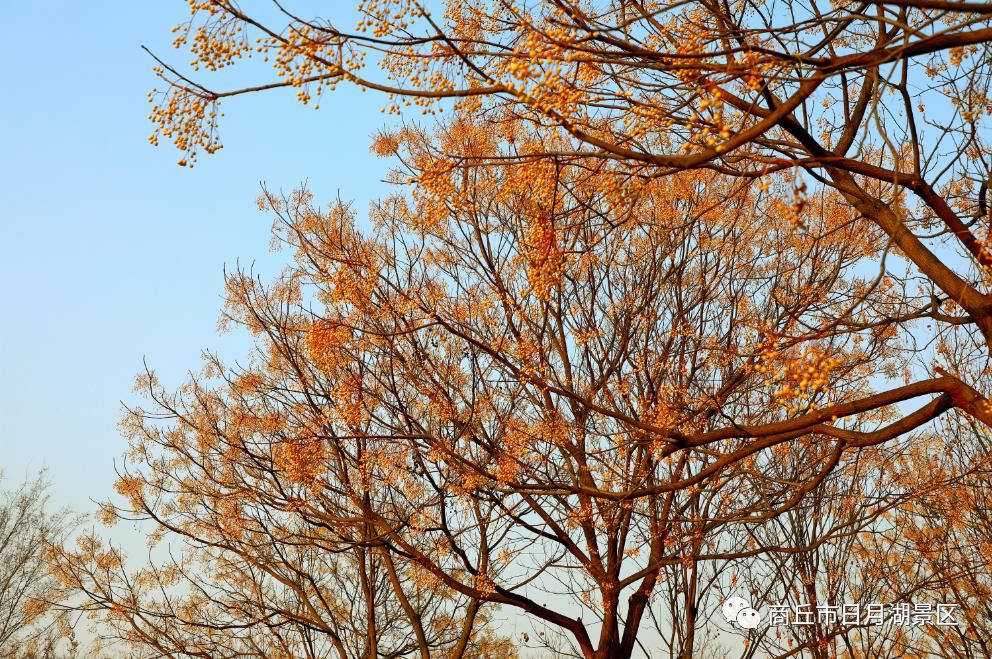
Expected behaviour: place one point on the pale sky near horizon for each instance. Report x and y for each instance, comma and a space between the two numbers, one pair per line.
110, 253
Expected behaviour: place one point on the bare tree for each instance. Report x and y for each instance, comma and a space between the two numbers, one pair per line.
28, 525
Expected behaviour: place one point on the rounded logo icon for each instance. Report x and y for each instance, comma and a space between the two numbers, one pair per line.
733, 606
748, 618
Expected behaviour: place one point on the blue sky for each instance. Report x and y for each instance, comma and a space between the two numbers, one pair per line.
109, 252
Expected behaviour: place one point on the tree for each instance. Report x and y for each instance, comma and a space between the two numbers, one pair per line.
938, 547
883, 111
878, 101
508, 397
660, 274
28, 525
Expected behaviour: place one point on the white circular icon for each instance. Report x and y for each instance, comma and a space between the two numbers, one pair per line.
739, 610
748, 618
733, 606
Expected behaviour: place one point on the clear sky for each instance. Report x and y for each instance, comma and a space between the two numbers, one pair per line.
109, 252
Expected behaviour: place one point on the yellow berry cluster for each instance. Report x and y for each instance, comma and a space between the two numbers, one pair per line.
301, 459
545, 257
186, 117
324, 341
